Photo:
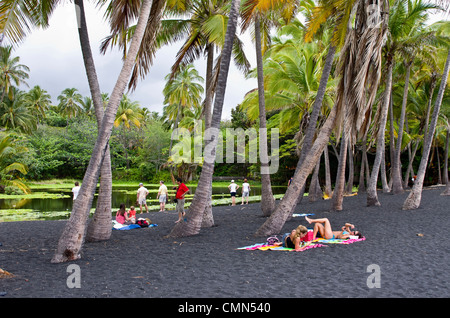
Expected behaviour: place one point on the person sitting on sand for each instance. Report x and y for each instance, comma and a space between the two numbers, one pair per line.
294, 239
131, 215
122, 215
323, 228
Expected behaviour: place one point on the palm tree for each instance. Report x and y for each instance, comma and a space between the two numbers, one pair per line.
38, 101
8, 175
70, 102
127, 115
14, 113
18, 16
254, 12
365, 78
413, 200
202, 196
11, 72
72, 238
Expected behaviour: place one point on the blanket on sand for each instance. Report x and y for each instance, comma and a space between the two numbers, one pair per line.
319, 242
266, 247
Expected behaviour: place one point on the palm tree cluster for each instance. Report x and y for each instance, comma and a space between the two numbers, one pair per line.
366, 78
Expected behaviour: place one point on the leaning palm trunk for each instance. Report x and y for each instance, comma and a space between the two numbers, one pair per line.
202, 194
415, 196
73, 236
267, 200
100, 226
275, 222
338, 193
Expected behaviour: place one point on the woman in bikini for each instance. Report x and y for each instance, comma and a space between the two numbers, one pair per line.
323, 227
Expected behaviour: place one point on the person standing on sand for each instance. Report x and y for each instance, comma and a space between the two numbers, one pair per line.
162, 196
233, 188
76, 190
142, 193
179, 196
245, 191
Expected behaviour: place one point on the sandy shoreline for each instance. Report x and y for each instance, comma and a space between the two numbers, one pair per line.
141, 263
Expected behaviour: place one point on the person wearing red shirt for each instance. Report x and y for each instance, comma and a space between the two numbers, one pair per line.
181, 191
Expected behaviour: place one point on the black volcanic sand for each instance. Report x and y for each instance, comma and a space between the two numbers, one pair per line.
142, 263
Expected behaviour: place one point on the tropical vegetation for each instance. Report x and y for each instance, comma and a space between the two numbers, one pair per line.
358, 91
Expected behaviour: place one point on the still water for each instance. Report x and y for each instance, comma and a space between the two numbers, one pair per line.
120, 194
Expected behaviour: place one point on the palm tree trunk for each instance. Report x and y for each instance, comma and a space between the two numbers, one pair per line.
267, 200
415, 196
100, 226
314, 192
208, 218
338, 194
351, 170
372, 196
328, 191
275, 222
195, 214
445, 170
397, 186
73, 235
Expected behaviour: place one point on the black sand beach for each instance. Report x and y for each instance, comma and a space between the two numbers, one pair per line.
408, 247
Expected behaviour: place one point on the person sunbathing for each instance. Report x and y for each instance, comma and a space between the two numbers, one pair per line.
294, 239
323, 228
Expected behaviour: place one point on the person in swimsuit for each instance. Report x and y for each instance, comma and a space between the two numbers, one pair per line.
294, 239
323, 228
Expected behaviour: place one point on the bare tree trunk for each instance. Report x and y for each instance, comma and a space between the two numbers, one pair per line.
315, 192
415, 196
73, 235
351, 170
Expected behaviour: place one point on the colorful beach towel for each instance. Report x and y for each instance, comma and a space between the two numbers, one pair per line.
338, 241
266, 247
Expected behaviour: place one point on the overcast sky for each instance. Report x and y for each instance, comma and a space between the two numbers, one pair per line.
55, 61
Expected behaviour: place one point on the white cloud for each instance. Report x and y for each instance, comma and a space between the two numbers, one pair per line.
55, 61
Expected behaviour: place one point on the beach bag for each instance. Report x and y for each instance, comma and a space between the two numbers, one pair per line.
272, 240
143, 222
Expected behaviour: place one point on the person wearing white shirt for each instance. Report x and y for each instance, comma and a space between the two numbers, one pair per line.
233, 188
75, 190
245, 191
142, 193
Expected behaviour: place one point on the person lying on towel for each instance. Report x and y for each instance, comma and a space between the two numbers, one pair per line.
298, 239
323, 228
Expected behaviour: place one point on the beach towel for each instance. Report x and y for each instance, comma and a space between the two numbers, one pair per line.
338, 241
301, 214
118, 226
266, 247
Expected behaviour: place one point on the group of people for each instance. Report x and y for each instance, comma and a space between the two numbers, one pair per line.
233, 187
298, 238
124, 217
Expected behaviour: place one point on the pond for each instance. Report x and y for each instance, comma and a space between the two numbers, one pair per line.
58, 204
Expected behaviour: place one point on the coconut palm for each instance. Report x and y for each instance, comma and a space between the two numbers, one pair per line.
255, 12
8, 170
14, 113
11, 72
70, 102
38, 101
364, 76
72, 238
202, 194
